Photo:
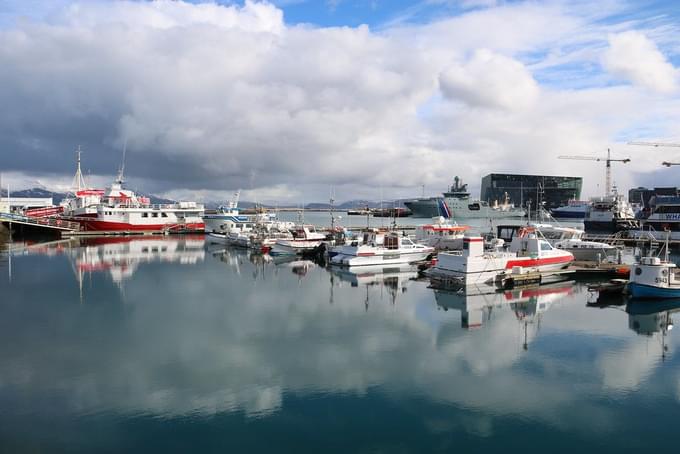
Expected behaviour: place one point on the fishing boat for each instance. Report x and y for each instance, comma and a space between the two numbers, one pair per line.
441, 234
571, 239
528, 252
655, 278
226, 217
82, 201
122, 210
304, 238
574, 210
380, 248
609, 214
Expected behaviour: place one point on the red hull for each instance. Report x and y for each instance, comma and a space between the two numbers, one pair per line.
107, 226
529, 262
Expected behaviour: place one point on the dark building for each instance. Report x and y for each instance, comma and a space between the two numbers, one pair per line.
554, 191
642, 195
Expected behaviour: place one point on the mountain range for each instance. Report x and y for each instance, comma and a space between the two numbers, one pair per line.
57, 197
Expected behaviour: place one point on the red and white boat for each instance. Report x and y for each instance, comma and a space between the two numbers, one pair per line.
528, 252
121, 210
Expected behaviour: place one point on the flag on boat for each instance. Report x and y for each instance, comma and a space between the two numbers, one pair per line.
444, 210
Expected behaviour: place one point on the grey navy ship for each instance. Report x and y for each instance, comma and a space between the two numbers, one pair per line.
457, 200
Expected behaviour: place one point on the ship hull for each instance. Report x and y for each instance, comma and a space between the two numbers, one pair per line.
423, 208
637, 290
109, 226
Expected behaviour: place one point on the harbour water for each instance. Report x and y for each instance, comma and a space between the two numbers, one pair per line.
171, 344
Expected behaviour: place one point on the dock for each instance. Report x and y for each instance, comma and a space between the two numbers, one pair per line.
51, 225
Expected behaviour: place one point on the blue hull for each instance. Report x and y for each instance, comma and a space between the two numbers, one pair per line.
647, 291
569, 214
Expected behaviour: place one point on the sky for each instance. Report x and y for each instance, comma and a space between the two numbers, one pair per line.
292, 100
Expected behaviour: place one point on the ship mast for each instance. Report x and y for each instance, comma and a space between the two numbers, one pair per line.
78, 183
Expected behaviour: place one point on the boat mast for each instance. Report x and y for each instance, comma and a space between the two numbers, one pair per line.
331, 208
78, 181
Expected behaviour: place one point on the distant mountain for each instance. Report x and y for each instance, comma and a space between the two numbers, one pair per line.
36, 193
57, 197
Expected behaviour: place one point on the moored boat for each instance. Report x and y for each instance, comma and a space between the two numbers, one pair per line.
380, 248
575, 209
441, 234
305, 237
654, 277
528, 252
609, 214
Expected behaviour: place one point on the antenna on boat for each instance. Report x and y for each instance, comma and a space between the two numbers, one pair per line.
121, 170
331, 208
78, 180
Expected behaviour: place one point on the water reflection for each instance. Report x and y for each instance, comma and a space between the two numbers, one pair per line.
237, 333
120, 257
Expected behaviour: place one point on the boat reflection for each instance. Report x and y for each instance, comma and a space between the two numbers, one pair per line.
121, 256
653, 319
394, 278
478, 303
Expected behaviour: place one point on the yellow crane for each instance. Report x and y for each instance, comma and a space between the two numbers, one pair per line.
659, 144
608, 160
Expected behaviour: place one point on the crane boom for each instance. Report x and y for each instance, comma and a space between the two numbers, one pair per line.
655, 144
608, 160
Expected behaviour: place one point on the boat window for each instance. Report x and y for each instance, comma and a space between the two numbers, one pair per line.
164, 215
545, 246
145, 215
473, 207
155, 215
668, 209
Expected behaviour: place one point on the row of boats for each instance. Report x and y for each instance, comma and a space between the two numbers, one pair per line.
119, 209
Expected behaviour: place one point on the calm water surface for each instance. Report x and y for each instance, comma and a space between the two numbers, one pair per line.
176, 345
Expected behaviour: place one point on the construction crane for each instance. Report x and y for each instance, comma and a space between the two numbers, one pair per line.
659, 144
608, 160
655, 144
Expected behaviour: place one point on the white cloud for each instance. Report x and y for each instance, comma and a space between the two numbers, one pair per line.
634, 57
207, 95
490, 80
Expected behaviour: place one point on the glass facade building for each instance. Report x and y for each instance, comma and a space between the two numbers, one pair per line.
522, 190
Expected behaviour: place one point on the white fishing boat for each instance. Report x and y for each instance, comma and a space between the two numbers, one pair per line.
654, 277
380, 248
571, 239
441, 234
528, 252
305, 238
226, 217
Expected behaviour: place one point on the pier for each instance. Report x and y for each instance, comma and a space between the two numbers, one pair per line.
51, 225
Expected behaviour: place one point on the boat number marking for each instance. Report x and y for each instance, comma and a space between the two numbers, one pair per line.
660, 280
